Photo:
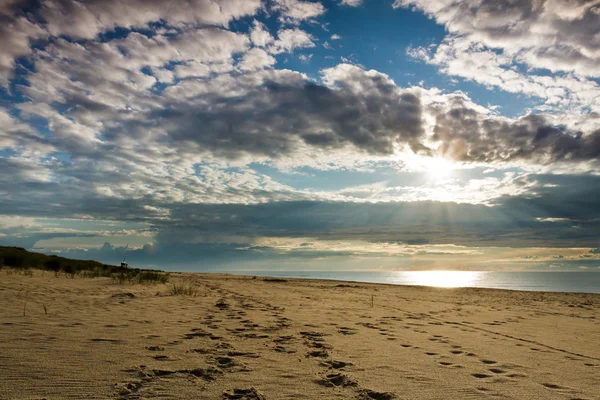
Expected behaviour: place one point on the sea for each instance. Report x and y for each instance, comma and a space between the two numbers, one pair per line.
576, 282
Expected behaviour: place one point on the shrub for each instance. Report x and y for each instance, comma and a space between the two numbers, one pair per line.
52, 265
69, 270
183, 289
14, 260
152, 277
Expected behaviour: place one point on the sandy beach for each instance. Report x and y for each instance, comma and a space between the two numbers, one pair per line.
253, 338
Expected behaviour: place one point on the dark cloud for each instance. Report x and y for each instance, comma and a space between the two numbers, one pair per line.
467, 135
515, 221
202, 256
270, 119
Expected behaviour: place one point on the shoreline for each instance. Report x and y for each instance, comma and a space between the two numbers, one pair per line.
248, 274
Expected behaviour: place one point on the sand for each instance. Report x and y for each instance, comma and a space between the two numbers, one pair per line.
245, 338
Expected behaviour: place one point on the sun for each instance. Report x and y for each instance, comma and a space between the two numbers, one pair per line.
438, 168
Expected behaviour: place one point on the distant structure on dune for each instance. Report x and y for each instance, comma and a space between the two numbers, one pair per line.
123, 263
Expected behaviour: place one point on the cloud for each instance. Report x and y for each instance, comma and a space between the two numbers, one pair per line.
305, 58
228, 115
458, 56
511, 220
351, 3
256, 59
260, 121
260, 35
183, 213
21, 137
467, 135
86, 20
16, 35
557, 35
294, 11
290, 39
512, 45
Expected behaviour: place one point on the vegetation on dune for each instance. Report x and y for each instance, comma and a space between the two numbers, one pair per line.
20, 259
183, 289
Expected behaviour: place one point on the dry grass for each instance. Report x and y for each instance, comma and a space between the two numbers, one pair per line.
183, 289
135, 276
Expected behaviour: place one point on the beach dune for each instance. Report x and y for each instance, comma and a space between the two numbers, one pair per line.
241, 337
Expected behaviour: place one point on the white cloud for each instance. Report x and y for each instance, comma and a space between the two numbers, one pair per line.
259, 35
15, 221
295, 11
290, 39
351, 3
85, 20
256, 59
21, 137
459, 57
555, 34
15, 38
305, 58
488, 40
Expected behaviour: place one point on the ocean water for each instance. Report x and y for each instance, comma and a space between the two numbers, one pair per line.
580, 282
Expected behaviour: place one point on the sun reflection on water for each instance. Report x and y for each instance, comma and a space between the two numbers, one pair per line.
447, 279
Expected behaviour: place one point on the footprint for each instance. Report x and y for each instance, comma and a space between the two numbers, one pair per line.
281, 349
430, 353
243, 394
497, 370
336, 364
332, 380
242, 354
481, 376
373, 395
318, 353
106, 340
551, 386
225, 362
515, 375
488, 361
312, 334
163, 372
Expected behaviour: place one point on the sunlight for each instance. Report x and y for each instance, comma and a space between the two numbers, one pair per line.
448, 279
438, 168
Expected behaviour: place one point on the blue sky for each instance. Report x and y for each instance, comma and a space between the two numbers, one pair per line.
291, 134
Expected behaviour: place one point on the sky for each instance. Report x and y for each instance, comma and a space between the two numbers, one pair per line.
303, 135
